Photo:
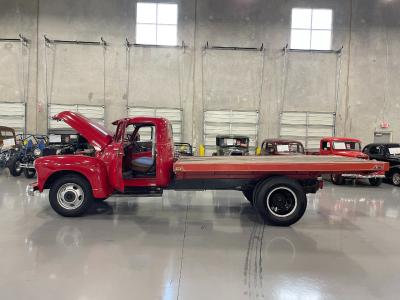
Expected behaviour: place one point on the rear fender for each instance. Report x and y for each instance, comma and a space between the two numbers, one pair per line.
93, 169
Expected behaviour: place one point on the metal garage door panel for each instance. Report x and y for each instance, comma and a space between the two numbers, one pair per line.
321, 119
320, 131
250, 117
141, 112
294, 118
245, 129
313, 143
91, 112
173, 115
95, 113
215, 129
13, 115
300, 131
217, 116
55, 109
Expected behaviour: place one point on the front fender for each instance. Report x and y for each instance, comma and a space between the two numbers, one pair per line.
92, 168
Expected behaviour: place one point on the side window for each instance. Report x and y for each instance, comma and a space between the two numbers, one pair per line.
263, 145
270, 148
325, 145
374, 150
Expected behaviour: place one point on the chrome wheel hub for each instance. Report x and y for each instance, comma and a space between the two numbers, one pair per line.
18, 166
70, 196
281, 202
396, 179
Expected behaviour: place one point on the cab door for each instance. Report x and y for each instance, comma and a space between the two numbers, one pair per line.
115, 154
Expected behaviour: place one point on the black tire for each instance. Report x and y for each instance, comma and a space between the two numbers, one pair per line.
337, 179
375, 181
395, 178
29, 173
248, 194
78, 187
280, 201
13, 166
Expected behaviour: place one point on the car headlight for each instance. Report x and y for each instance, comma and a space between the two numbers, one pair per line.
37, 152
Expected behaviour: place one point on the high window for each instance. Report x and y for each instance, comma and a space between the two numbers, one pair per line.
156, 23
311, 29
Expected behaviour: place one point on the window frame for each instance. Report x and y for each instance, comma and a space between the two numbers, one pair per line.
311, 30
157, 24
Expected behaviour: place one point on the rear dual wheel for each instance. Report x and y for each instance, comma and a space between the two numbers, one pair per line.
280, 201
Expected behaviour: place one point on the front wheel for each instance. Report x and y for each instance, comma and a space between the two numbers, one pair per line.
280, 201
14, 166
71, 195
337, 179
375, 181
395, 178
29, 173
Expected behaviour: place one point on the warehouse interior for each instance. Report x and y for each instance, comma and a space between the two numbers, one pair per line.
295, 69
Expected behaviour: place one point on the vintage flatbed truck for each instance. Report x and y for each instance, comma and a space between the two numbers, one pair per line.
126, 165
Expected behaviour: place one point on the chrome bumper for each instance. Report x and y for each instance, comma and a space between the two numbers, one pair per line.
31, 188
360, 176
27, 166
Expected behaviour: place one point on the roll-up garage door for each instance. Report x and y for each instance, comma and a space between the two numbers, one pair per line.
93, 112
217, 122
307, 127
174, 115
12, 114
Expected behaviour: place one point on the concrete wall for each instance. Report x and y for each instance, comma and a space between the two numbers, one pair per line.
194, 78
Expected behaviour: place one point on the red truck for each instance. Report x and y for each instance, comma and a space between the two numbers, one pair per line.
348, 147
139, 160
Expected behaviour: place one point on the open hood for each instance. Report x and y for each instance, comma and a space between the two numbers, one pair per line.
96, 135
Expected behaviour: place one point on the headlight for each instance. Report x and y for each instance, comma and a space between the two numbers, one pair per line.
37, 152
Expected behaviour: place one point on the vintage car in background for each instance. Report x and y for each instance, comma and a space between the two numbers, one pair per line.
232, 145
7, 145
281, 147
30, 147
183, 149
347, 147
390, 153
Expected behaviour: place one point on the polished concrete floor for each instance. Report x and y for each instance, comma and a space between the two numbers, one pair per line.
201, 245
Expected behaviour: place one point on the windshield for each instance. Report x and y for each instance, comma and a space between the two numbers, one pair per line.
394, 150
234, 142
348, 146
290, 148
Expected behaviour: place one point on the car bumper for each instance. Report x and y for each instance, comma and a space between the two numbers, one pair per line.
27, 166
361, 176
31, 188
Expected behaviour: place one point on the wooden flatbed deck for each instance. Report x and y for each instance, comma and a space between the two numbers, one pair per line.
187, 167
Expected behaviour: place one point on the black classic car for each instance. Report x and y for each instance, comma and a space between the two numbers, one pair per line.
386, 152
228, 145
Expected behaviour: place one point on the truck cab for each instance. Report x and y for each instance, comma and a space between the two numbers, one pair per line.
347, 147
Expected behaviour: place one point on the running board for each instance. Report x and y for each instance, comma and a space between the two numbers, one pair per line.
139, 192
